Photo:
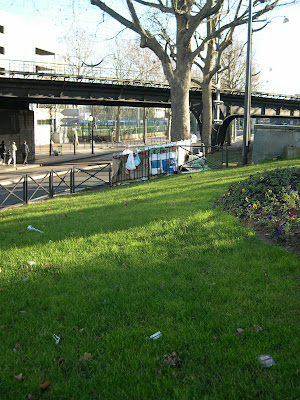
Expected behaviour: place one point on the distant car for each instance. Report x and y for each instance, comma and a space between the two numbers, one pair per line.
194, 138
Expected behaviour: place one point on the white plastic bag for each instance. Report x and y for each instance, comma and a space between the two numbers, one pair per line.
130, 164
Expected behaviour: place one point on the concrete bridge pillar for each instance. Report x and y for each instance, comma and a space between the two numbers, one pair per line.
17, 126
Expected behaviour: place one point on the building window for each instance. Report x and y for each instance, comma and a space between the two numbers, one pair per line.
1, 29
41, 52
1, 50
44, 121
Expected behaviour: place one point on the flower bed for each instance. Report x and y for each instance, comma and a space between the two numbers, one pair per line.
270, 203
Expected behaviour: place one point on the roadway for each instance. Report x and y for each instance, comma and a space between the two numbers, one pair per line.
89, 170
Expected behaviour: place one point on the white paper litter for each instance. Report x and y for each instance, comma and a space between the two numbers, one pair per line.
266, 360
31, 228
57, 339
156, 335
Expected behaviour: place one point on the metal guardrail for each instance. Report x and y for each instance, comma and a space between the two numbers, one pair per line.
29, 188
211, 157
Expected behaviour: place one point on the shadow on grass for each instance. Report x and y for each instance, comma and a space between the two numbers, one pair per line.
129, 262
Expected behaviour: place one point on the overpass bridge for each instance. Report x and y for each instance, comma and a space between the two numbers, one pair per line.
23, 83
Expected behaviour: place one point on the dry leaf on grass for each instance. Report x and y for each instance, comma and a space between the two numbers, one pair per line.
239, 331
45, 385
17, 347
172, 360
86, 357
19, 377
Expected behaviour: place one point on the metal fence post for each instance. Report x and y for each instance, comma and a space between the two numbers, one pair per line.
149, 163
25, 189
226, 148
51, 184
110, 171
72, 180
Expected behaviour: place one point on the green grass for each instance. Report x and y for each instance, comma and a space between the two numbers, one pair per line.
127, 262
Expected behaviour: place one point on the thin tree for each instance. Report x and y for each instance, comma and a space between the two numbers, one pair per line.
131, 61
233, 62
78, 53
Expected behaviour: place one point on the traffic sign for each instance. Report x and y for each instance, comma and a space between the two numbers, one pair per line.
70, 112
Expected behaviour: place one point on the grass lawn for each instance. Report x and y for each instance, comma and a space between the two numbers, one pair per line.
115, 266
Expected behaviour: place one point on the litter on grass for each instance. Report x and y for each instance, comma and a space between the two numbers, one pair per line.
31, 263
31, 228
57, 339
266, 360
155, 336
25, 279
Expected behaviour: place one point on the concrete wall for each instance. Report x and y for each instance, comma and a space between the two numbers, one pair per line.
17, 126
270, 141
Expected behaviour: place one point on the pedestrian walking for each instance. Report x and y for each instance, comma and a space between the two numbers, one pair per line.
2, 152
24, 151
13, 151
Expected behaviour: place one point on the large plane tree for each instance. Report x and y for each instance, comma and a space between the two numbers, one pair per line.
181, 32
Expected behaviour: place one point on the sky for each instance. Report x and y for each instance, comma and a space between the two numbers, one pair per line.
275, 48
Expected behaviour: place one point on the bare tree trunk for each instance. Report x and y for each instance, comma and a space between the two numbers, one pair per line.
169, 125
180, 107
118, 124
206, 113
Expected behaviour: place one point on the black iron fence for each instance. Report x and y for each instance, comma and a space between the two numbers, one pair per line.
141, 165
29, 188
212, 157
168, 159
145, 163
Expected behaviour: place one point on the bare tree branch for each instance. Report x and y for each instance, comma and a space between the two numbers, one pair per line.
160, 6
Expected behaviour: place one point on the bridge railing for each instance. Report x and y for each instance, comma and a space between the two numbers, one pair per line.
86, 73
39, 70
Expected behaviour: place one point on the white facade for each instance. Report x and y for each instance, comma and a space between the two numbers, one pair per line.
21, 50
18, 42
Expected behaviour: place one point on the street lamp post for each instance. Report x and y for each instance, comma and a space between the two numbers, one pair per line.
247, 104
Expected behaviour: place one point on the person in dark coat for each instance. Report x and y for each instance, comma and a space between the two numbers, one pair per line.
25, 151
2, 152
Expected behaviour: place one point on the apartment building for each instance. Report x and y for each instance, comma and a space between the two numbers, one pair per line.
23, 50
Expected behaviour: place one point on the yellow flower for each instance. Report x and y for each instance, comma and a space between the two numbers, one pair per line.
255, 206
246, 198
269, 191
261, 178
243, 190
228, 194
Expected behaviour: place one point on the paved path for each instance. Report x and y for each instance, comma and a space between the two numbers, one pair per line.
43, 161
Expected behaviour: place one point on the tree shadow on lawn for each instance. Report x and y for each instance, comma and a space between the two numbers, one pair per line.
192, 272
187, 280
120, 209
